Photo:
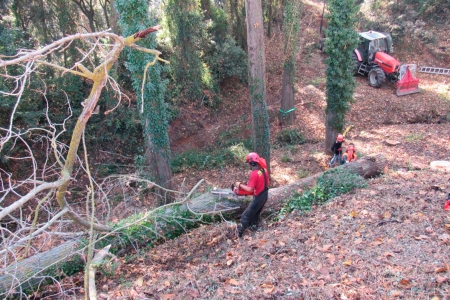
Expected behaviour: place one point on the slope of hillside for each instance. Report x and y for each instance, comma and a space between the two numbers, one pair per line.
390, 240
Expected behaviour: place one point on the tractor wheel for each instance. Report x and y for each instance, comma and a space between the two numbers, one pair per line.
356, 63
376, 77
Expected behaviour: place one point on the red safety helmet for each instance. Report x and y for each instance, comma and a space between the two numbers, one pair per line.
340, 138
253, 157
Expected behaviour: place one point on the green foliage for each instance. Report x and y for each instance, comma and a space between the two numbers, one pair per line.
188, 35
302, 173
133, 17
331, 184
290, 137
414, 137
286, 158
235, 10
140, 163
433, 9
218, 25
52, 90
194, 159
376, 4
318, 81
203, 54
228, 60
341, 40
165, 223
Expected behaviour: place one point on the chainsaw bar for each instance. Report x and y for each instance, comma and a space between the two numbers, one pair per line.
227, 193
223, 193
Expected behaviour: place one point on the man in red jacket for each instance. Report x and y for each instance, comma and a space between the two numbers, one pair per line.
258, 184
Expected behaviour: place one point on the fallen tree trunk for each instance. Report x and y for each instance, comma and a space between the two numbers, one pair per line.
26, 274
26, 271
368, 166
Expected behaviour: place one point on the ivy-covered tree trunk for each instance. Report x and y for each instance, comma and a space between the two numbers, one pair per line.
292, 22
184, 20
341, 41
133, 17
257, 83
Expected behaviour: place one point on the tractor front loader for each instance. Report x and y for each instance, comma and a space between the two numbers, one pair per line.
372, 59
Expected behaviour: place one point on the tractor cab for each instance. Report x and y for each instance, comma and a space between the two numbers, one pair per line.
372, 42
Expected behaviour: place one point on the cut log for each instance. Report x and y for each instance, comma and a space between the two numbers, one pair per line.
29, 270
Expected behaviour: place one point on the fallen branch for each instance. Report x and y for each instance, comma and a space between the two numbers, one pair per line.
168, 219
96, 261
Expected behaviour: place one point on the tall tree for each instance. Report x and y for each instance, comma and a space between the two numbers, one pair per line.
341, 41
291, 29
133, 17
256, 74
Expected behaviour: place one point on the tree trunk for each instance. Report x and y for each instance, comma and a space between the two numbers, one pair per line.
160, 168
42, 21
330, 132
22, 272
114, 18
270, 17
236, 8
257, 83
287, 113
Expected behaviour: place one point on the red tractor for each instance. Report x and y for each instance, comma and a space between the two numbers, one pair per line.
372, 59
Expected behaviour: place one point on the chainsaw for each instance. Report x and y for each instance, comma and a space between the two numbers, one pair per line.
230, 193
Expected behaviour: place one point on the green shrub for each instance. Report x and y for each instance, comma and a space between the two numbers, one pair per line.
318, 81
290, 137
286, 158
302, 173
228, 60
414, 137
332, 183
208, 160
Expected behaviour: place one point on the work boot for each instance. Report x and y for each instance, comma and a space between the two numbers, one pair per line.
240, 231
253, 228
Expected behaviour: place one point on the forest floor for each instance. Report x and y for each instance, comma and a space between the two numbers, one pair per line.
390, 240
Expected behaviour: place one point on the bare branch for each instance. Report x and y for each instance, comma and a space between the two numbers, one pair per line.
34, 55
51, 171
